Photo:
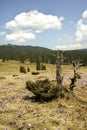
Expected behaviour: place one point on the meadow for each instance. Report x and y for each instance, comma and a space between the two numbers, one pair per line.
18, 111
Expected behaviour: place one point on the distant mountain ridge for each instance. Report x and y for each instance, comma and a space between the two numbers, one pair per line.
16, 52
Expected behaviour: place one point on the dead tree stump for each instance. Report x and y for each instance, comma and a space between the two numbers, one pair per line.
59, 76
76, 65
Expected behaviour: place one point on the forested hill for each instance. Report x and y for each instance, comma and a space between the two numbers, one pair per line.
72, 55
31, 53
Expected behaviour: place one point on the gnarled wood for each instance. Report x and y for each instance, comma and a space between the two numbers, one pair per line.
76, 65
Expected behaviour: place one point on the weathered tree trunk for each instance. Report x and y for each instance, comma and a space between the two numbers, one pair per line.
73, 83
76, 76
59, 76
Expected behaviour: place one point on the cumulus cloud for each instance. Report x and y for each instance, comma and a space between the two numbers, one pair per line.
34, 22
84, 15
20, 36
81, 33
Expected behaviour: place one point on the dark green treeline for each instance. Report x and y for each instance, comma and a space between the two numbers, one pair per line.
23, 53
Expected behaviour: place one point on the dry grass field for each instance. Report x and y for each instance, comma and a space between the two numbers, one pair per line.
16, 113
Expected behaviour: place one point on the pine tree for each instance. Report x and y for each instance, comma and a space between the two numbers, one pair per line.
37, 64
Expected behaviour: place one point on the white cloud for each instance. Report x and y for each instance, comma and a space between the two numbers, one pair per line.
81, 33
69, 47
2, 33
84, 15
20, 36
34, 22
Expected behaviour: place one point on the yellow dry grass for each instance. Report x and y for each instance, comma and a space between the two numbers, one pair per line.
68, 113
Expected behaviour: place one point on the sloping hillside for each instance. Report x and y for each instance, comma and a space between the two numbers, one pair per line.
15, 52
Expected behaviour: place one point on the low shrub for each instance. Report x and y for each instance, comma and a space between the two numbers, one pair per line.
15, 75
35, 73
43, 67
43, 89
3, 60
28, 69
22, 69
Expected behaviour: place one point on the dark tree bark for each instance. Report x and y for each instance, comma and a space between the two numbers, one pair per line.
76, 65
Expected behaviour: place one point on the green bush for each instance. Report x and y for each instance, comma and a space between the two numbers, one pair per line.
22, 69
43, 89
38, 64
35, 73
28, 69
43, 67
3, 60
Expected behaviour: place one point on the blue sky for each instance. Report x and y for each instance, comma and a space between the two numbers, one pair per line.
54, 24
